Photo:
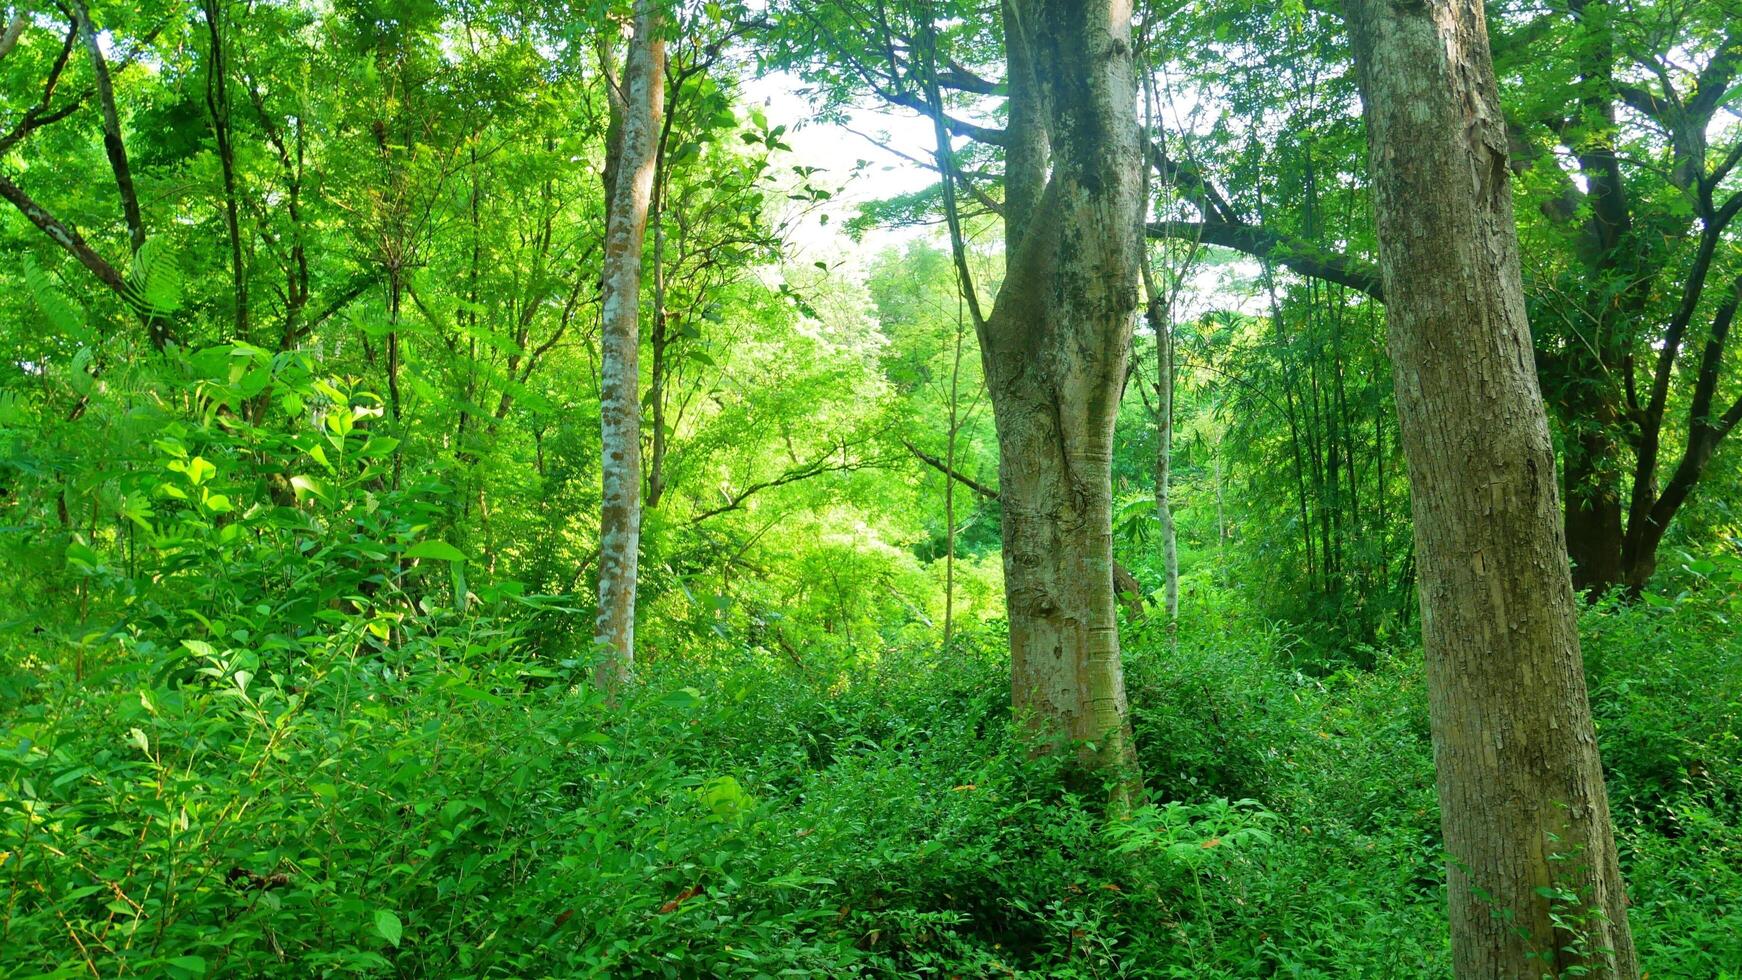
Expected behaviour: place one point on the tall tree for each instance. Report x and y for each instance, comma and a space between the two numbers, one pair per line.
1615, 120
1535, 887
1158, 313
1055, 347
637, 102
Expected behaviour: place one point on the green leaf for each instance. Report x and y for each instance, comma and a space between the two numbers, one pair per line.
306, 486
195, 965
389, 926
156, 280
83, 554
199, 470
725, 797
440, 550
477, 694
79, 375
379, 446
54, 306
683, 697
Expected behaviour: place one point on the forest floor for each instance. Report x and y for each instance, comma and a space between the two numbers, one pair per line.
446, 810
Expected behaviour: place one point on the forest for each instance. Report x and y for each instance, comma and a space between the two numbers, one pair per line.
884, 488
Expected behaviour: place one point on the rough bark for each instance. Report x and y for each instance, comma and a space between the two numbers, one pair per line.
1126, 586
1534, 884
629, 191
1055, 349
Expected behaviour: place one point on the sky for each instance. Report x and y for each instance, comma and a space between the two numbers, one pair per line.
838, 148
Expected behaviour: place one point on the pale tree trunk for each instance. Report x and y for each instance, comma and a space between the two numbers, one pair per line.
950, 486
1055, 350
1535, 888
629, 188
1156, 312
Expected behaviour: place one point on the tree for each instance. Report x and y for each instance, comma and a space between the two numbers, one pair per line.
132, 286
1054, 349
1055, 345
1535, 886
1615, 121
629, 179
1158, 313
1614, 113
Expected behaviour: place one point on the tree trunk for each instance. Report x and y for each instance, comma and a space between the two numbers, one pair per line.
1593, 512
1611, 254
1158, 321
1055, 350
950, 486
1534, 884
218, 105
628, 192
1159, 313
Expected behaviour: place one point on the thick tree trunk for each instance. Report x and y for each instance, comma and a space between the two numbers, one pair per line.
1055, 351
628, 192
1534, 884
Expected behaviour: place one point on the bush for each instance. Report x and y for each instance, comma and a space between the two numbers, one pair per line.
423, 787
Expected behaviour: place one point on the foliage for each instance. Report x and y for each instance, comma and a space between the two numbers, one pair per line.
452, 805
299, 493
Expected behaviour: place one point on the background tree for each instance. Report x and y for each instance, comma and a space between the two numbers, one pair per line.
1613, 269
629, 178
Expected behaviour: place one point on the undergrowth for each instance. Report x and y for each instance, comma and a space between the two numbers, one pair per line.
437, 800
287, 737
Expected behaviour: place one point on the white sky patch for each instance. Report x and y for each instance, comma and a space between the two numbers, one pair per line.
837, 149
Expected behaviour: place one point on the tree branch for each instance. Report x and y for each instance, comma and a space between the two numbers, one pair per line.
68, 239
1262, 243
112, 143
816, 467
957, 127
14, 30
990, 493
1222, 226
34, 118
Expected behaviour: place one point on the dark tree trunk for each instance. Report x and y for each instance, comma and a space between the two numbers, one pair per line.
1593, 512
